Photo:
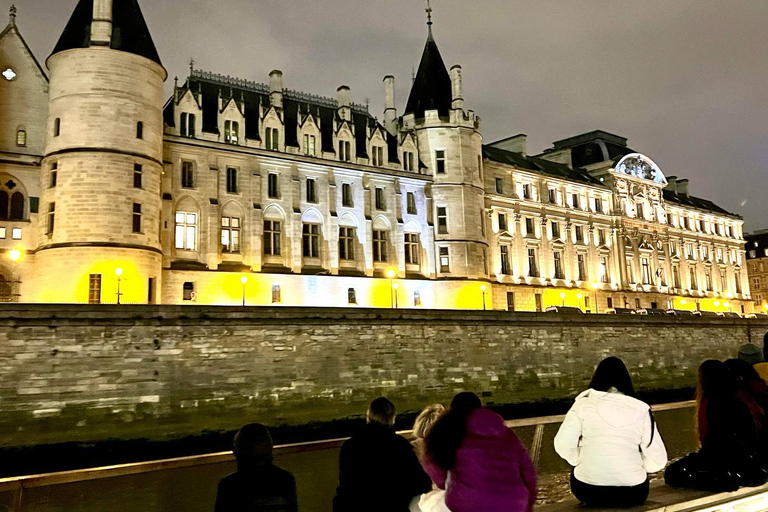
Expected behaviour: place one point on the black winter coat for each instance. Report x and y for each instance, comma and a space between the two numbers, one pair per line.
265, 488
378, 472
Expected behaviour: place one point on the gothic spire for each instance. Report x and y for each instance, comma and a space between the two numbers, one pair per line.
13, 15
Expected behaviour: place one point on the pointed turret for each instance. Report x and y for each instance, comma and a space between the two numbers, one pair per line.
432, 87
129, 31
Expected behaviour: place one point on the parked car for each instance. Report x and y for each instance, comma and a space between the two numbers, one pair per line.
683, 312
566, 310
711, 313
751, 315
731, 314
653, 311
620, 311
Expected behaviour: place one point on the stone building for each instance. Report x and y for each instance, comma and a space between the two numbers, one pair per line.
757, 267
234, 191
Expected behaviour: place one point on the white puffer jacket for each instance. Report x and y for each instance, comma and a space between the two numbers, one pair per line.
606, 437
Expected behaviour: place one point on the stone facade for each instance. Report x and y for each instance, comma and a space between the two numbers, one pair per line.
757, 267
88, 373
232, 179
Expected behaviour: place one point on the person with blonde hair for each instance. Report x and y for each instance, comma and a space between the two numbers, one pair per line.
422, 425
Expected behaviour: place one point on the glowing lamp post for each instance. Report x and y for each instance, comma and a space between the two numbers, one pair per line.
728, 306
391, 273
562, 296
580, 296
395, 287
596, 286
15, 255
483, 288
244, 281
119, 274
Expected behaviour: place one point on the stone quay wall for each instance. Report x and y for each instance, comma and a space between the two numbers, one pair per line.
89, 373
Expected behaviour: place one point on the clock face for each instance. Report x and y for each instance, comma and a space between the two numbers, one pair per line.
9, 74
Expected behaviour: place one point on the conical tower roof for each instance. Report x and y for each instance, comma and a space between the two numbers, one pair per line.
432, 88
129, 30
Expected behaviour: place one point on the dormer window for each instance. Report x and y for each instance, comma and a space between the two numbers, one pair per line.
408, 161
344, 151
378, 156
231, 132
272, 139
309, 145
187, 125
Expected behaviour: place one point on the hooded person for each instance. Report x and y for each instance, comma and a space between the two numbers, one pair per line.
611, 440
258, 485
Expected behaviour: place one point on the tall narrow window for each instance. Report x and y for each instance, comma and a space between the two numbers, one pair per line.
188, 291
601, 237
347, 243
708, 276
17, 206
140, 130
559, 274
646, 270
694, 283
412, 249
136, 218
346, 195
582, 264
54, 177
378, 156
137, 175
272, 238
57, 127
598, 205
417, 298
445, 260
344, 151
499, 186
604, 272
411, 206
21, 138
186, 231
51, 217
552, 196
440, 160
311, 191
187, 128
442, 220
533, 268
676, 277
579, 234
640, 211
231, 180
380, 202
555, 231
504, 254
351, 296
380, 246
191, 128
737, 277
272, 139
503, 222
311, 240
575, 200
309, 145
230, 234
94, 289
187, 175
527, 193
231, 132
273, 185
408, 161
277, 295
530, 229
630, 271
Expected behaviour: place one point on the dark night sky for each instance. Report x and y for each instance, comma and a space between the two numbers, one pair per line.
685, 80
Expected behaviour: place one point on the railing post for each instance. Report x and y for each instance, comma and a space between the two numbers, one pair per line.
538, 438
17, 496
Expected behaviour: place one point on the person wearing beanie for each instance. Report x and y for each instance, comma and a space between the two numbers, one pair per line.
258, 485
762, 367
751, 354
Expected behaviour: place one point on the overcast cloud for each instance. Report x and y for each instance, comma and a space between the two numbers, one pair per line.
685, 80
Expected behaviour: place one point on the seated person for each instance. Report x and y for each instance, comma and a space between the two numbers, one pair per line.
258, 485
378, 469
611, 440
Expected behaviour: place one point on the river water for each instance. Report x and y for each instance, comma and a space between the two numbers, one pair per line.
194, 489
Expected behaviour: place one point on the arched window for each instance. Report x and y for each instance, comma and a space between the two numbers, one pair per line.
21, 138
17, 206
3, 205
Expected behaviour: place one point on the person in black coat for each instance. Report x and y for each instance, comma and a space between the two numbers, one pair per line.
258, 485
378, 469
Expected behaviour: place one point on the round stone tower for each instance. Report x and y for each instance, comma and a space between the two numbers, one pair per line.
101, 202
451, 145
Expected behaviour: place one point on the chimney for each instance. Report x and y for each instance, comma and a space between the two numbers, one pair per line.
345, 109
682, 187
458, 97
390, 109
671, 184
276, 88
101, 27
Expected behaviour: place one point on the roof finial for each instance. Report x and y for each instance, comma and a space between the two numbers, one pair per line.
429, 13
191, 65
13, 14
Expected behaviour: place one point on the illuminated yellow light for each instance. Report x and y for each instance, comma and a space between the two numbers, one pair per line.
119, 272
727, 304
595, 286
579, 296
683, 302
243, 279
765, 306
395, 286
562, 295
391, 273
717, 303
483, 288
15, 255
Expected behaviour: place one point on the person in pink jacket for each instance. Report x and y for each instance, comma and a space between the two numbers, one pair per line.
483, 465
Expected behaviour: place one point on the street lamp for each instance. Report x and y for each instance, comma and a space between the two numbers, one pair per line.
244, 281
395, 287
580, 296
391, 273
483, 288
15, 255
119, 273
562, 296
596, 286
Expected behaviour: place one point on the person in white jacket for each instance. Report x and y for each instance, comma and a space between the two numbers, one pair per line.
611, 440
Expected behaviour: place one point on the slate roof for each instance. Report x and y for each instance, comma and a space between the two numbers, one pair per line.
296, 107
696, 202
758, 242
432, 87
539, 166
129, 30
